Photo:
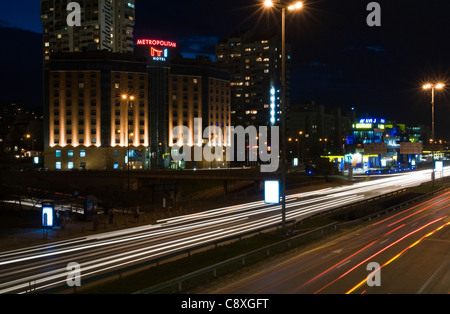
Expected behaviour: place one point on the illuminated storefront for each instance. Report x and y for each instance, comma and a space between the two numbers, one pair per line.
386, 144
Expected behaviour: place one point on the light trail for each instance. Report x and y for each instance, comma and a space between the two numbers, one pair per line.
379, 252
400, 254
112, 250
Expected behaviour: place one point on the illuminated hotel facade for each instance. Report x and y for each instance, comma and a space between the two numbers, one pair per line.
90, 124
182, 90
198, 89
106, 109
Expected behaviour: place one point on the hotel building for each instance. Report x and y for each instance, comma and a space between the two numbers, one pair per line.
97, 112
198, 89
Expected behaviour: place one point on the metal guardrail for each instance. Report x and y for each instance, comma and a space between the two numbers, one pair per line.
288, 242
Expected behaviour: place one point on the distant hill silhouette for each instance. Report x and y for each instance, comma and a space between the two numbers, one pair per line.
21, 67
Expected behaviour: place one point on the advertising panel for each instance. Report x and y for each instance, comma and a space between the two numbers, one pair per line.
47, 215
411, 148
272, 192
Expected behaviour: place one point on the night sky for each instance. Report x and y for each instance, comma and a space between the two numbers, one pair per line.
338, 60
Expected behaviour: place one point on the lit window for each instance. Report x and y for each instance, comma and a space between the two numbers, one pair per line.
70, 153
116, 165
82, 153
58, 165
58, 153
70, 165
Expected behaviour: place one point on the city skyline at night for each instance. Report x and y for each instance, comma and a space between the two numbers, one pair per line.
205, 149
338, 60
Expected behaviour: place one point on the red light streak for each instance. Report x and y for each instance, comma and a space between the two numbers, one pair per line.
382, 250
377, 223
402, 252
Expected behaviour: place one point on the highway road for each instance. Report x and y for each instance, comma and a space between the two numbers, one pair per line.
411, 250
42, 267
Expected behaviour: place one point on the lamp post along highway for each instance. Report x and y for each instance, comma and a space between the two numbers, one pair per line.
433, 88
283, 8
129, 99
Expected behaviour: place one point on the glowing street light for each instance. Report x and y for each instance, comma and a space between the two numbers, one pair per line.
268, 3
283, 7
296, 6
433, 88
275, 4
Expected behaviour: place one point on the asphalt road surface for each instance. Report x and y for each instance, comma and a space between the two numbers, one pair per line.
411, 250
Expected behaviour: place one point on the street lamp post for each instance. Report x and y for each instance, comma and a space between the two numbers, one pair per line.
303, 143
433, 88
129, 99
283, 8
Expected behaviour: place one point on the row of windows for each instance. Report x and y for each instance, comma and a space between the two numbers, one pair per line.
130, 122
68, 75
81, 103
80, 141
68, 93
141, 141
81, 85
69, 112
80, 122
71, 165
80, 132
92, 75
185, 105
130, 113
70, 153
184, 79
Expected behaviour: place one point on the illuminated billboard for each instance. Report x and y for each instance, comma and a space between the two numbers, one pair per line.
157, 50
272, 192
47, 216
363, 126
372, 121
156, 42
